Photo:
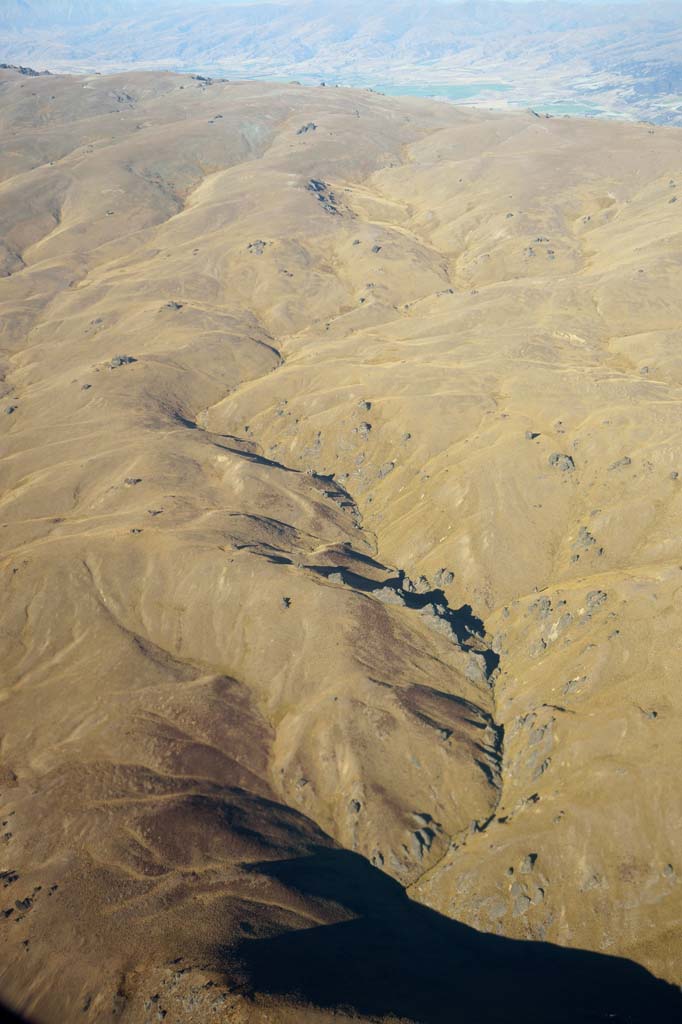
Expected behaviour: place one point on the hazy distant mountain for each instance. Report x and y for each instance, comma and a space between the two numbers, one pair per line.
620, 58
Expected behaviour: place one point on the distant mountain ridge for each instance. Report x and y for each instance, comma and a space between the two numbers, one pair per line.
624, 58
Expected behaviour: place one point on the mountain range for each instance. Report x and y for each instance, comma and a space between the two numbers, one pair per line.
619, 59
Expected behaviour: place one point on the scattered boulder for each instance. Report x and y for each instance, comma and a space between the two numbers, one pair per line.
562, 462
257, 248
595, 599
10, 409
174, 305
324, 194
121, 361
376, 249
365, 405
585, 539
306, 128
364, 430
531, 435
542, 606
528, 863
387, 468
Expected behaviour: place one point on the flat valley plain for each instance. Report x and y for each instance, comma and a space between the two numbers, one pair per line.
341, 557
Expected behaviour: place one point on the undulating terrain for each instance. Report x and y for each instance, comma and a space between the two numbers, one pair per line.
341, 558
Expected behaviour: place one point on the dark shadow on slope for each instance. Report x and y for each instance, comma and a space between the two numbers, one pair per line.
259, 460
399, 958
468, 628
7, 1017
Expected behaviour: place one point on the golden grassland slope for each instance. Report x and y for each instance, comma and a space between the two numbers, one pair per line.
339, 528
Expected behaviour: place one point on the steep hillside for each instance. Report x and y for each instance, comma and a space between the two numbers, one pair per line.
339, 533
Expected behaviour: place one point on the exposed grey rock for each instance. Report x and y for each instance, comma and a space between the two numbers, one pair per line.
476, 669
324, 194
387, 595
423, 586
257, 248
443, 578
387, 468
422, 841
29, 72
121, 361
531, 435
585, 539
131, 481
542, 606
10, 409
621, 463
495, 909
521, 905
595, 599
376, 249
174, 305
365, 405
285, 602
573, 685
306, 128
364, 430
537, 648
562, 461
561, 626
538, 734
528, 863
